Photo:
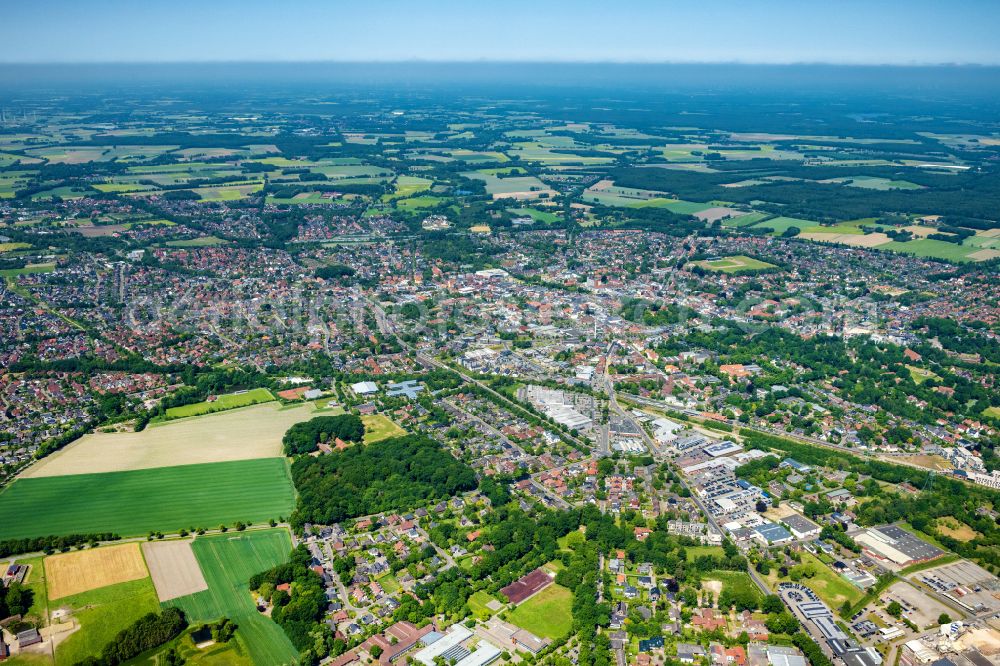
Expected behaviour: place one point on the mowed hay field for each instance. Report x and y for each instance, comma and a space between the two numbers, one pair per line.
244, 434
137, 502
228, 561
378, 427
173, 568
85, 570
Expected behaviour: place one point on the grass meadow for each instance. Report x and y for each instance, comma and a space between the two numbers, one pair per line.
378, 427
102, 613
227, 562
736, 581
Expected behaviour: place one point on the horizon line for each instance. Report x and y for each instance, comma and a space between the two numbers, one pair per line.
484, 61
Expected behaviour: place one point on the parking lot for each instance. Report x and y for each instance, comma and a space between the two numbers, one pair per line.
918, 607
967, 583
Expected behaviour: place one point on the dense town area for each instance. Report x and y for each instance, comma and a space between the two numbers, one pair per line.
445, 382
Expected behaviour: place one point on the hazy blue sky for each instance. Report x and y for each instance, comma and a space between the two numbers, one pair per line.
760, 31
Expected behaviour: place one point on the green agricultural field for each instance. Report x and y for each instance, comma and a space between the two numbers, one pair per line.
338, 172
612, 195
150, 223
673, 205
418, 203
65, 192
992, 411
169, 168
735, 264
747, 220
228, 192
10, 247
10, 181
506, 171
407, 186
542, 152
27, 270
203, 241
136, 502
102, 613
228, 561
932, 249
508, 185
874, 183
284, 162
119, 188
222, 403
7, 159
853, 227
548, 614
474, 156
378, 427
314, 198
783, 224
543, 216
983, 242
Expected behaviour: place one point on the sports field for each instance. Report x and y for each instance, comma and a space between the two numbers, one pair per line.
84, 570
136, 502
245, 434
228, 561
734, 264
548, 614
102, 613
378, 427
221, 403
